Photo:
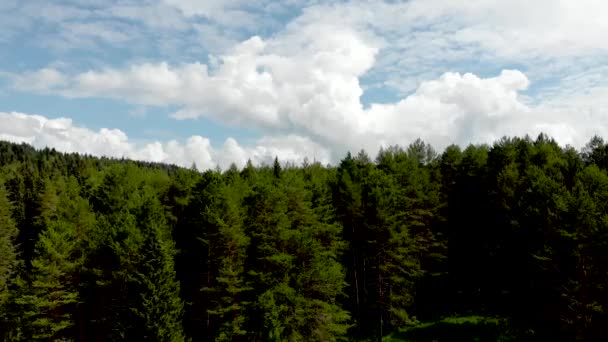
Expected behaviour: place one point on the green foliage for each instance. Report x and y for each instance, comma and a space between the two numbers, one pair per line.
8, 261
294, 271
413, 245
468, 328
158, 310
47, 302
231, 247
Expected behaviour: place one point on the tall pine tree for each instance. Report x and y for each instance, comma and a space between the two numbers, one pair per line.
158, 309
8, 261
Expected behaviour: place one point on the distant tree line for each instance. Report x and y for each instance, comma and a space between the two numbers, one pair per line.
97, 249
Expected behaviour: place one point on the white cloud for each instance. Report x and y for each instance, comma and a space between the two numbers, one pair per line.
421, 39
42, 80
222, 11
517, 28
250, 15
106, 32
95, 28
456, 108
64, 136
158, 15
305, 80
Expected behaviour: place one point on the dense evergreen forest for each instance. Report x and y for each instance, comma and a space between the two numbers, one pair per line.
502, 242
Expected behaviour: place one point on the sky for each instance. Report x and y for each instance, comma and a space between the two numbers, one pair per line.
218, 82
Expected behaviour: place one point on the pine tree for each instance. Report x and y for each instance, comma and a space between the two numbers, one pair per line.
49, 301
197, 262
23, 191
159, 308
231, 247
319, 280
49, 295
276, 168
8, 261
111, 286
277, 254
348, 202
294, 267
267, 265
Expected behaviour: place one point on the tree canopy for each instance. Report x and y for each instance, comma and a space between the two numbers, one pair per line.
509, 239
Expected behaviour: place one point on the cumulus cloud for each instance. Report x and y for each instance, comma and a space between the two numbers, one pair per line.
64, 136
311, 85
455, 108
316, 93
305, 82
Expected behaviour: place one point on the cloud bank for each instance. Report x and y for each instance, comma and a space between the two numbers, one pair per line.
64, 136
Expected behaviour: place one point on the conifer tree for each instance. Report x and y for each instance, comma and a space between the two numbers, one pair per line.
231, 246
266, 223
49, 294
197, 262
48, 303
294, 268
276, 168
8, 261
158, 308
319, 280
111, 286
517, 232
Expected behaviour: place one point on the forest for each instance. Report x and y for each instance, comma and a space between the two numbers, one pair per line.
501, 242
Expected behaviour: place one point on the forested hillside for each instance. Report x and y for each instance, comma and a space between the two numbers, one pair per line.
511, 239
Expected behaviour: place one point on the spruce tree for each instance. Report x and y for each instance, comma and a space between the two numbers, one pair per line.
319, 278
49, 294
159, 308
8, 261
294, 267
48, 303
230, 246
276, 168
111, 286
197, 262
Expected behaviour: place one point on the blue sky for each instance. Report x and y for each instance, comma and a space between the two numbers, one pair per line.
215, 82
